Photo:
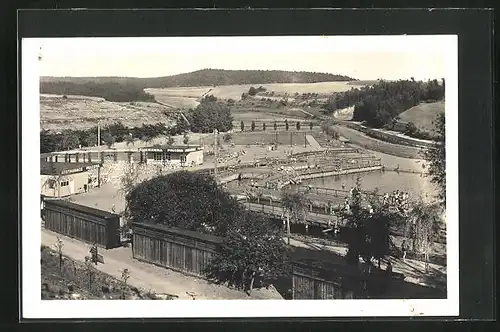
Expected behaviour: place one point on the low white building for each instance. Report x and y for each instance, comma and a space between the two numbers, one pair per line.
182, 155
59, 179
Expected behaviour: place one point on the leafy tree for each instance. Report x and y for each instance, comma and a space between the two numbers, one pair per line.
253, 246
209, 98
183, 199
295, 206
69, 140
424, 222
252, 127
185, 139
59, 248
208, 116
298, 125
125, 276
367, 227
49, 142
242, 125
108, 139
410, 129
252, 91
227, 138
436, 158
129, 139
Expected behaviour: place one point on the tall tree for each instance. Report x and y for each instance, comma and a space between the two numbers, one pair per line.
295, 206
183, 199
436, 158
253, 247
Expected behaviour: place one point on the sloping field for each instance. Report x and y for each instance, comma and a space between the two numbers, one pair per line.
235, 91
423, 115
58, 113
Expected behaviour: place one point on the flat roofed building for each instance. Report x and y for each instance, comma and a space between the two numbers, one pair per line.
182, 155
58, 179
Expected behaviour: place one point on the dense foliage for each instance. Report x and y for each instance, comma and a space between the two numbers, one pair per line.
71, 139
184, 199
210, 115
436, 158
206, 77
194, 201
380, 103
252, 249
111, 91
367, 227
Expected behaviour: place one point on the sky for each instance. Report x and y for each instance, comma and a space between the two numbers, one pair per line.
360, 57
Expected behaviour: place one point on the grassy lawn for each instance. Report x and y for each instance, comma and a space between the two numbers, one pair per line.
423, 115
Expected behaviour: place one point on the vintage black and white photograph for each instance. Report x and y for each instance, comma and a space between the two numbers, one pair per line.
242, 168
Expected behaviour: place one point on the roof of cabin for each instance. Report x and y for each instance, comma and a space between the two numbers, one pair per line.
55, 168
179, 231
81, 208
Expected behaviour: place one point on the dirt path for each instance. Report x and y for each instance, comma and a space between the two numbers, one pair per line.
151, 277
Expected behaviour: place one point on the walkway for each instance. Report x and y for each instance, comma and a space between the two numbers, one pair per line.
151, 277
313, 143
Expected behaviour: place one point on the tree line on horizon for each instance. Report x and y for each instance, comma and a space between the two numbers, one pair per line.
131, 88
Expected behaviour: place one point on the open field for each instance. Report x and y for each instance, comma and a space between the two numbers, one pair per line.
82, 112
235, 91
423, 115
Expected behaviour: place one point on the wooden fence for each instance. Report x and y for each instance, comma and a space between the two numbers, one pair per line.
313, 280
83, 223
181, 250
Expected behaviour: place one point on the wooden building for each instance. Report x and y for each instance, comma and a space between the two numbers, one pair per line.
313, 279
83, 223
181, 250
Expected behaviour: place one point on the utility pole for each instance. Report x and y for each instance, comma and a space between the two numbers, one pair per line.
99, 153
215, 153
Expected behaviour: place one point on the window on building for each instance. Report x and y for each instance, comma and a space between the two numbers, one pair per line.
168, 156
52, 183
157, 156
183, 158
64, 183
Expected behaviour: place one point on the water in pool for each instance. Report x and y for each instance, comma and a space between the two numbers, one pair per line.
414, 184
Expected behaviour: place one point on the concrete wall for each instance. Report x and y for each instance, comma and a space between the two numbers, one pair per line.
75, 185
195, 157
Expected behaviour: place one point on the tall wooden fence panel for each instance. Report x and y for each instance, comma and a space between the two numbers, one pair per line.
181, 250
322, 283
82, 223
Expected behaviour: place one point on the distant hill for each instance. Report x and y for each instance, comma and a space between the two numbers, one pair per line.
423, 115
206, 77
